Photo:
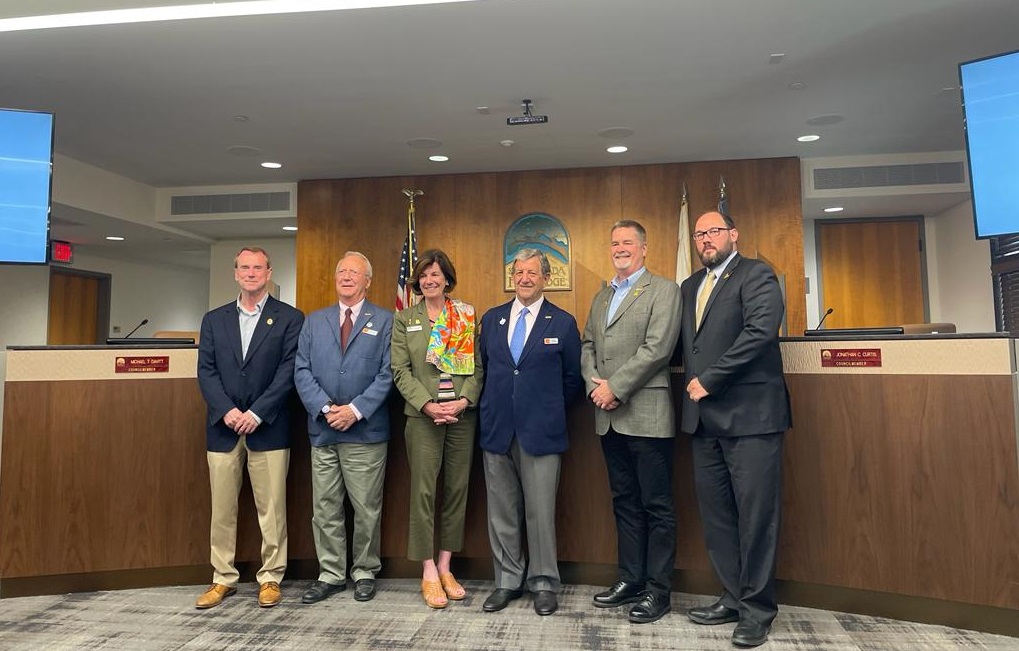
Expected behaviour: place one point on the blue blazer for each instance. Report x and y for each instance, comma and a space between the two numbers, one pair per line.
261, 382
360, 376
529, 399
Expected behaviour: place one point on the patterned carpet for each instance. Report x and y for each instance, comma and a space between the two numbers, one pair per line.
165, 618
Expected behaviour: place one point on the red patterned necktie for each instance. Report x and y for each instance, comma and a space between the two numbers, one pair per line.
345, 329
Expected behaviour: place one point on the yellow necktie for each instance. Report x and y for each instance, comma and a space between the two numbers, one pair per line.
702, 297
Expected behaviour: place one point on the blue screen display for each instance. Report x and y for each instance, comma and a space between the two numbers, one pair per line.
26, 161
990, 90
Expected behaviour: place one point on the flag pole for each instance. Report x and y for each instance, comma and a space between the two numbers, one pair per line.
408, 258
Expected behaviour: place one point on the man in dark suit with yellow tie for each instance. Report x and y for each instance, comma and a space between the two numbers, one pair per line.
736, 406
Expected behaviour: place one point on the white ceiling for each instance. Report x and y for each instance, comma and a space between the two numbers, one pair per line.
339, 94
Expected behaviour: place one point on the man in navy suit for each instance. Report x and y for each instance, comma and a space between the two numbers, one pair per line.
736, 406
530, 350
343, 376
246, 374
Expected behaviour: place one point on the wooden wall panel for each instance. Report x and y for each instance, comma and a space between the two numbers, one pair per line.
96, 476
73, 309
903, 484
467, 215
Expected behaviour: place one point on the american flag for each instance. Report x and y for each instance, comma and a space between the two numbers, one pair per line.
408, 257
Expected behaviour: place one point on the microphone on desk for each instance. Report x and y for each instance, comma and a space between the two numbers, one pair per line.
144, 321
821, 322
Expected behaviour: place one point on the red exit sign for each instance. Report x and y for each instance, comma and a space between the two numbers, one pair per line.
61, 252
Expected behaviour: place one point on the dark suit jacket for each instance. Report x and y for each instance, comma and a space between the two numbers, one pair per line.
360, 376
261, 382
735, 353
529, 399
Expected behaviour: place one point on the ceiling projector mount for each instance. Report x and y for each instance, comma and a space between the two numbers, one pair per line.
527, 117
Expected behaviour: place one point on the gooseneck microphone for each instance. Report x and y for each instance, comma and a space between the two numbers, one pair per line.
144, 321
821, 322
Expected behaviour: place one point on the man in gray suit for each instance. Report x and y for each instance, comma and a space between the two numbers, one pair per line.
628, 340
343, 376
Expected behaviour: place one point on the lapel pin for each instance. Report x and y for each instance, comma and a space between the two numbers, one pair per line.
369, 324
502, 321
548, 316
268, 321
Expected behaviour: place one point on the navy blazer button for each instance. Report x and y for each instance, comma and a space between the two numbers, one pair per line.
516, 371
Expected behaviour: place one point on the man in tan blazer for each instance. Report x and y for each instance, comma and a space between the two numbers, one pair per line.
629, 337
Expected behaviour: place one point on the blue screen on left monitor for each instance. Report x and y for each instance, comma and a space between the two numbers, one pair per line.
26, 155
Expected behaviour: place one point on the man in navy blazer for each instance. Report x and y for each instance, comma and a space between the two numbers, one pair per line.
344, 377
530, 351
246, 374
736, 407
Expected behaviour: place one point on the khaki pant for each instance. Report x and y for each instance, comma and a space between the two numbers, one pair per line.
268, 474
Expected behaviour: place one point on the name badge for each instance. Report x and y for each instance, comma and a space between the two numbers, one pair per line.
373, 333
551, 341
414, 328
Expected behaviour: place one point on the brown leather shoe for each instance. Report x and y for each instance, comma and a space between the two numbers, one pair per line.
214, 595
269, 594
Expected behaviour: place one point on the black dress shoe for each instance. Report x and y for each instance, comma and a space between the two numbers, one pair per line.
749, 633
716, 613
545, 602
500, 598
319, 590
619, 594
651, 607
364, 589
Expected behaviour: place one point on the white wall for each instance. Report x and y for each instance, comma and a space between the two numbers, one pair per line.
814, 311
960, 266
223, 287
170, 297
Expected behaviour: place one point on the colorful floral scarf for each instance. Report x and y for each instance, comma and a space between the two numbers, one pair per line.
451, 346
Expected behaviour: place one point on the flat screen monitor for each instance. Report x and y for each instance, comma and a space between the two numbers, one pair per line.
843, 333
26, 164
990, 102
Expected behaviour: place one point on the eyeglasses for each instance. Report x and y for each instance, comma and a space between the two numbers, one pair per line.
352, 272
711, 232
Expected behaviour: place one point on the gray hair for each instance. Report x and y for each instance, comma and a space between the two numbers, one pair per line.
629, 223
357, 254
526, 254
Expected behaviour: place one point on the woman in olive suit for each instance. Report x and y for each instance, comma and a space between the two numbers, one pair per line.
434, 370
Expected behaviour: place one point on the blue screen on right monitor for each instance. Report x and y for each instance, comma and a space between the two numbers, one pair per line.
26, 160
990, 91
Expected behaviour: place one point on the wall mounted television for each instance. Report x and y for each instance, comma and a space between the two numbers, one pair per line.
990, 102
26, 165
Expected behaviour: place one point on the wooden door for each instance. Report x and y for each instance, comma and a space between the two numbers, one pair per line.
74, 309
872, 272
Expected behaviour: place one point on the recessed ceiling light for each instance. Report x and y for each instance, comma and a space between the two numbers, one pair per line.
617, 149
270, 165
809, 138
825, 120
797, 85
290, 228
776, 58
438, 158
114, 238
241, 118
834, 209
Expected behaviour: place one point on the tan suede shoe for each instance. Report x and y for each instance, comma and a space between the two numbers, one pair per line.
214, 595
269, 594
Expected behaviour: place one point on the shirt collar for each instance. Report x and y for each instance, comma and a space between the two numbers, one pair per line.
355, 309
720, 267
532, 309
258, 306
629, 281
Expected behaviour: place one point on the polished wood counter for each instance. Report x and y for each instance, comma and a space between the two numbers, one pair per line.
901, 495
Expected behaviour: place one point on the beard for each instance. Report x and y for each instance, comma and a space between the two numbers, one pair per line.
715, 256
